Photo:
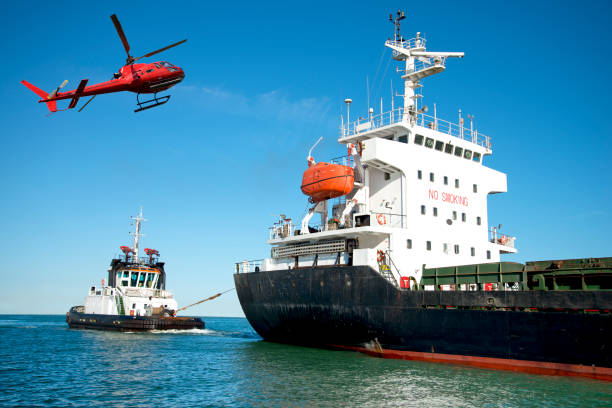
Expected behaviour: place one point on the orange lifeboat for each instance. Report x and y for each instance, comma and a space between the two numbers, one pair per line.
323, 181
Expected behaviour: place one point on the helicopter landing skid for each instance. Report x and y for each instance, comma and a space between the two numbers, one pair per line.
151, 103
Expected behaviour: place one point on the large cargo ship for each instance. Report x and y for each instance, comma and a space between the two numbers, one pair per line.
403, 263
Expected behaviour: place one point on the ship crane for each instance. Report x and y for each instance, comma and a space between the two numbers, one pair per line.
420, 64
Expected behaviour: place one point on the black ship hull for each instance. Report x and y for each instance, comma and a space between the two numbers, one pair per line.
354, 307
77, 320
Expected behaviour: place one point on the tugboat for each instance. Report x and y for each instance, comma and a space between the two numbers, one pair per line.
403, 263
135, 298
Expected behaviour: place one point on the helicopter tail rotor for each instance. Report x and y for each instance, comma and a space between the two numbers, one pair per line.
54, 93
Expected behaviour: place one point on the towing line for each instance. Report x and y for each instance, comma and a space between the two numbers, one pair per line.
204, 300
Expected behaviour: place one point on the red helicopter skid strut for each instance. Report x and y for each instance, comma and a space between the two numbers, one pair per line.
151, 103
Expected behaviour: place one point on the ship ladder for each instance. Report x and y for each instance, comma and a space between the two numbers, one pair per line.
120, 306
385, 269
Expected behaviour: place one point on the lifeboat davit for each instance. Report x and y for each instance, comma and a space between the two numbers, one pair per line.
323, 181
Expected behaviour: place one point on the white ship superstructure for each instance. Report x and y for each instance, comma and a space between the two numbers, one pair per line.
420, 191
136, 285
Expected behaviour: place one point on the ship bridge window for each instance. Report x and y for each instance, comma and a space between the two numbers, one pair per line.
448, 148
429, 142
403, 139
134, 279
439, 145
475, 188
419, 174
476, 157
142, 279
446, 180
150, 278
467, 154
458, 151
418, 139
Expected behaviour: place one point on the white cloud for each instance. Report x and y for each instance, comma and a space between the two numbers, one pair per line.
274, 104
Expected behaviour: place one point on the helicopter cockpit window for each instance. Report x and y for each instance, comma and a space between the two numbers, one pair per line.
157, 65
169, 66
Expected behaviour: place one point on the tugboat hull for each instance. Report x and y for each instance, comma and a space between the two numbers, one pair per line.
78, 320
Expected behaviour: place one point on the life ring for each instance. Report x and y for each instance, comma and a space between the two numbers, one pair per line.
350, 148
380, 255
381, 219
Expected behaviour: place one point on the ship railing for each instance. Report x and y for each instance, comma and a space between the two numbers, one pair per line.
372, 218
146, 292
408, 44
496, 237
102, 291
342, 160
281, 231
398, 115
142, 260
249, 266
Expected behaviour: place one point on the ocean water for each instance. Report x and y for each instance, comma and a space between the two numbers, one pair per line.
43, 363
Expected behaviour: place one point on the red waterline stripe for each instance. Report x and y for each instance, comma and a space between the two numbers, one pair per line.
526, 366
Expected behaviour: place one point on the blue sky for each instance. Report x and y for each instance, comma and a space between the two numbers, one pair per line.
214, 166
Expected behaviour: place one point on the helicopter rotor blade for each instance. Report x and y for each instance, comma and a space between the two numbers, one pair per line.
160, 50
86, 103
119, 29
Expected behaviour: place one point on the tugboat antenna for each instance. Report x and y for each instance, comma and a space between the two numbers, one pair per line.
137, 236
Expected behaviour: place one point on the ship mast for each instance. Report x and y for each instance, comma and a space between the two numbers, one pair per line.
137, 235
419, 64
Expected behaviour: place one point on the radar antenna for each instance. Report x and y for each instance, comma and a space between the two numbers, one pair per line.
399, 17
420, 64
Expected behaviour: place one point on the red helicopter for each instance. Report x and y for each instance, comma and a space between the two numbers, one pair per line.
139, 78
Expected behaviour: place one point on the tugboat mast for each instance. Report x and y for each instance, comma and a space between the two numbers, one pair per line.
137, 236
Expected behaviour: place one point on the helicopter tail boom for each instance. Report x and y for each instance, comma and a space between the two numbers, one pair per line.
52, 105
